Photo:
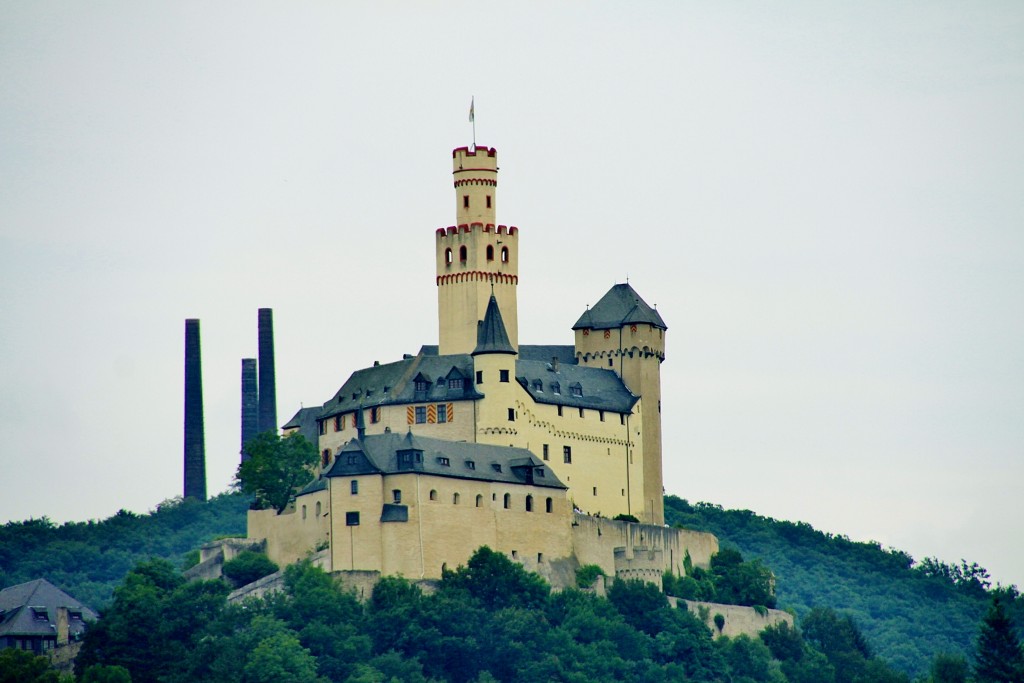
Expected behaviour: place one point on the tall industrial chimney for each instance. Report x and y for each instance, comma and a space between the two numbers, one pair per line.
267, 420
250, 400
195, 445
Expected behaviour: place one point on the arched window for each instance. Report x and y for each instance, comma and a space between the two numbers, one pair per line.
547, 505
455, 499
479, 501
504, 254
508, 501
318, 508
490, 252
448, 256
433, 494
529, 503
463, 254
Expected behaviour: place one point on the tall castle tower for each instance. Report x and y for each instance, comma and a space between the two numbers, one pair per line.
622, 333
474, 254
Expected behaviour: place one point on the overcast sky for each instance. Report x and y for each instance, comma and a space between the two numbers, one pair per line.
825, 201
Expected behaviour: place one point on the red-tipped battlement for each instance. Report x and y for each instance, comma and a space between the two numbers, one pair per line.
489, 151
489, 227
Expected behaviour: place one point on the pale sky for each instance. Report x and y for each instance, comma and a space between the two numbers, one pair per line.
824, 200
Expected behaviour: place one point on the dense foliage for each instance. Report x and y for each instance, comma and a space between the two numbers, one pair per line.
487, 621
730, 580
87, 559
275, 467
999, 658
910, 613
248, 566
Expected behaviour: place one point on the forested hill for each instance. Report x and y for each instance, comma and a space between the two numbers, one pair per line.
87, 559
908, 612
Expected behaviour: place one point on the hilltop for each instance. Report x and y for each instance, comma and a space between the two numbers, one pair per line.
908, 611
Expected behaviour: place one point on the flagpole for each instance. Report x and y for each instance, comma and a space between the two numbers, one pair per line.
472, 118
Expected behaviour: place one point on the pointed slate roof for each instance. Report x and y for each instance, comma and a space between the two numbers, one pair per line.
491, 336
620, 306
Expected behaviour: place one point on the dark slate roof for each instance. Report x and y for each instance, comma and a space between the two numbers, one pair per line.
30, 609
491, 336
378, 454
395, 383
600, 389
305, 422
566, 353
620, 306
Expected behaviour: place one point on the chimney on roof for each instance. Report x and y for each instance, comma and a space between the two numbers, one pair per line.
62, 626
554, 363
250, 403
195, 445
267, 416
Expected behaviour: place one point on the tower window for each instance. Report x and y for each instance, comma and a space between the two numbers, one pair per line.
433, 494
396, 496
511, 414
504, 254
490, 252
567, 454
354, 486
611, 363
581, 412
462, 254
465, 201
559, 411
479, 501
503, 375
479, 376
448, 256
546, 452
622, 418
529, 503
601, 413
488, 201
508, 501
548, 504
351, 519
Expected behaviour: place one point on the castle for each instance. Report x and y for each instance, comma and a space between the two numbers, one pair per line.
480, 440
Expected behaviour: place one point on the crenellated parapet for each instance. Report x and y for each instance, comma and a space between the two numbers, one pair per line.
510, 230
632, 352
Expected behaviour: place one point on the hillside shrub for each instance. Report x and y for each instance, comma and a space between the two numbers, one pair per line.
248, 566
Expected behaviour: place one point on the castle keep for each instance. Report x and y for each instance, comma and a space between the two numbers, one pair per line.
482, 440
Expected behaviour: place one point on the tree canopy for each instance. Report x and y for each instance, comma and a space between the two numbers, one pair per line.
276, 466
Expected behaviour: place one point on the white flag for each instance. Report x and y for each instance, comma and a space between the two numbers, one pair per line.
472, 110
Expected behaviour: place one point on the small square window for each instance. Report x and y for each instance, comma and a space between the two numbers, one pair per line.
444, 461
503, 375
351, 519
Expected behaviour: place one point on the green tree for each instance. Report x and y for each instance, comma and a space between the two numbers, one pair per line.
276, 467
947, 668
100, 673
280, 658
19, 666
497, 581
247, 567
999, 658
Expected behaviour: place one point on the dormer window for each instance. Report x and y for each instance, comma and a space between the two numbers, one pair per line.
556, 388
455, 383
538, 386
444, 462
496, 467
577, 390
470, 465
421, 385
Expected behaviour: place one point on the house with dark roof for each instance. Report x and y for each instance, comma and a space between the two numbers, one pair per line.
483, 440
40, 617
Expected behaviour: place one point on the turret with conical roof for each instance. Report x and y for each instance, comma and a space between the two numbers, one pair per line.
491, 336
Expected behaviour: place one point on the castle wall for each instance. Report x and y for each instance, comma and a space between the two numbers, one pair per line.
605, 471
293, 534
738, 620
640, 551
